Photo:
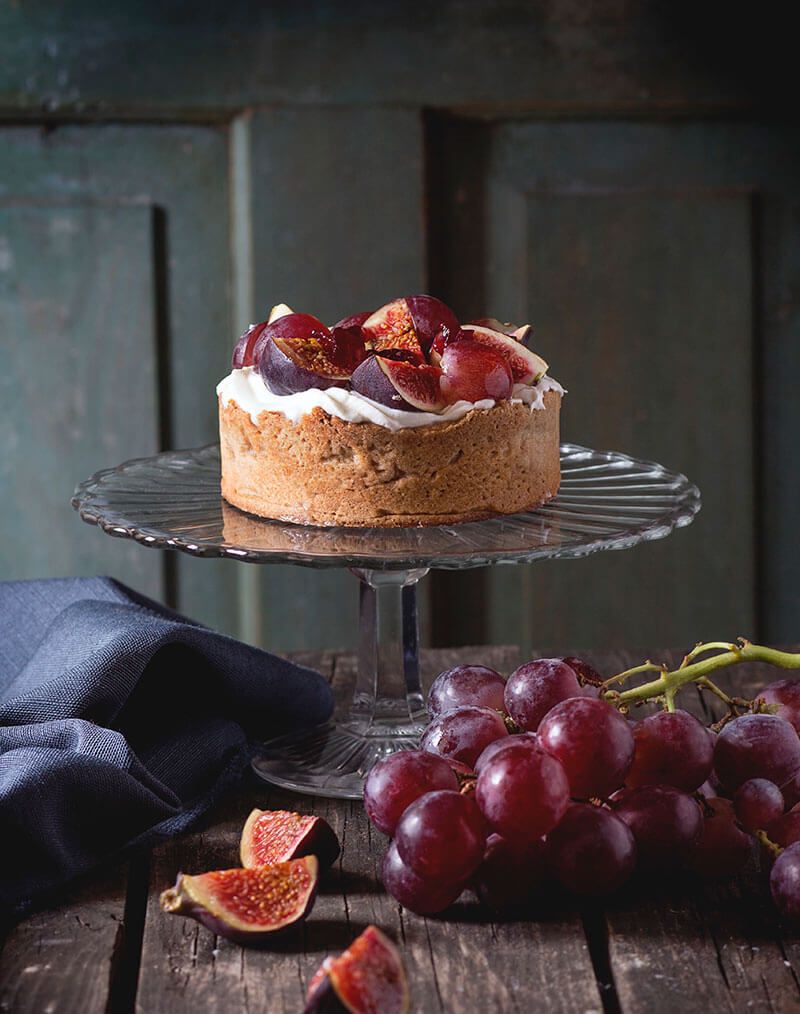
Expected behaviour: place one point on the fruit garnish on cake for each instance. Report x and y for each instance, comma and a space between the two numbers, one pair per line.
388, 417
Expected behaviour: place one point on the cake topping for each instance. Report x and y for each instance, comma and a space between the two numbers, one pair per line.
411, 354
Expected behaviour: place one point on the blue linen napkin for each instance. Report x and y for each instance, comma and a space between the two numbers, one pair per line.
121, 722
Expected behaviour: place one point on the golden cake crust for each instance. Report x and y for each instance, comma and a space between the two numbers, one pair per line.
325, 471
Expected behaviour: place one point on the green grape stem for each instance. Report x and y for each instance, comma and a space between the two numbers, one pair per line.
696, 671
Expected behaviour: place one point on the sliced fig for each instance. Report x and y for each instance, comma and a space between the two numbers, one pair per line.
392, 327
526, 366
368, 978
293, 354
243, 353
520, 332
399, 384
275, 836
248, 906
474, 371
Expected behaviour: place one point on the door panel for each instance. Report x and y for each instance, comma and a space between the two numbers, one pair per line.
171, 336
656, 264
78, 383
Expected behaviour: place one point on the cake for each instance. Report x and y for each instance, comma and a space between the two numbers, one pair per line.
401, 417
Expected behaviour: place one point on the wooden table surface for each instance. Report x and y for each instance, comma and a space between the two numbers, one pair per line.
684, 946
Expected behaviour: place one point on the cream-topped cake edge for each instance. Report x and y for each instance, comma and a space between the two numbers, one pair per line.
401, 417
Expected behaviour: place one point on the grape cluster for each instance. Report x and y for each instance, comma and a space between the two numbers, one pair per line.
538, 779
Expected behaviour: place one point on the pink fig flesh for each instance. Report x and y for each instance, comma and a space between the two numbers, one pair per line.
275, 836
248, 906
392, 327
368, 978
399, 384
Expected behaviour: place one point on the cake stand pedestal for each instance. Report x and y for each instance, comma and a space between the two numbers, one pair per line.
607, 500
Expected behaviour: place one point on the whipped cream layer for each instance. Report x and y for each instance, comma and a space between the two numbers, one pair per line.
251, 394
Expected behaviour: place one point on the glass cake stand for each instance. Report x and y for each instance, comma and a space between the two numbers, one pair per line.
607, 500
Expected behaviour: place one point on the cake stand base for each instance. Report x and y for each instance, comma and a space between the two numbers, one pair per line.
387, 712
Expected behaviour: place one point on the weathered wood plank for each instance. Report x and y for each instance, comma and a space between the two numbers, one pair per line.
63, 959
331, 257
183, 319
79, 383
556, 58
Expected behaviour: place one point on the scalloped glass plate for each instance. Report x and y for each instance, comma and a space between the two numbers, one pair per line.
607, 500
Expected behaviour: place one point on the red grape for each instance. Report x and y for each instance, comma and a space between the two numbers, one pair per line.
425, 897
396, 781
758, 803
500, 744
672, 748
442, 836
723, 849
756, 746
463, 734
592, 851
786, 829
466, 684
474, 372
537, 686
665, 822
784, 882
593, 742
785, 693
510, 873
522, 791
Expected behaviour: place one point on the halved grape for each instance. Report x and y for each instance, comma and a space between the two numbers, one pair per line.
442, 836
756, 746
537, 686
665, 822
522, 791
396, 781
758, 803
420, 895
466, 684
592, 852
463, 733
593, 742
671, 748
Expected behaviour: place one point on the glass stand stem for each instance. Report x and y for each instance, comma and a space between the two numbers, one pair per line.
388, 695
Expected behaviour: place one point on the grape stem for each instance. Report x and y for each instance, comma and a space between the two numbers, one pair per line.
695, 670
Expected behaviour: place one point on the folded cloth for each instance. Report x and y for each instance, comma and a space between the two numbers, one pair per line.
121, 722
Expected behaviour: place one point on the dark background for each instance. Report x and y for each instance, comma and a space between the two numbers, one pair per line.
624, 175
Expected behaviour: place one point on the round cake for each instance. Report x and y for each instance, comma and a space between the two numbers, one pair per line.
401, 417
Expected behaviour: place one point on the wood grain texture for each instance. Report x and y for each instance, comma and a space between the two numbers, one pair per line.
64, 958
175, 335
75, 282
556, 57
337, 205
